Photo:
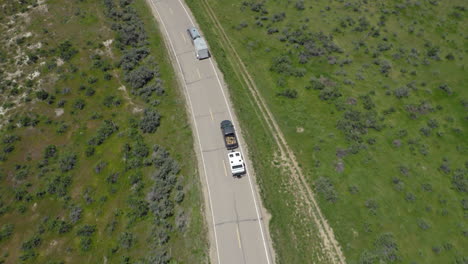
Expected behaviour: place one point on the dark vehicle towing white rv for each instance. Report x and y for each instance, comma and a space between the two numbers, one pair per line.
201, 49
229, 135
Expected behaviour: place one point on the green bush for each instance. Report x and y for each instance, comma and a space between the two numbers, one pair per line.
89, 151
79, 104
150, 121
66, 51
460, 180
42, 95
385, 251
329, 93
50, 151
355, 124
139, 77
139, 208
132, 57
107, 128
126, 240
85, 244
32, 243
58, 185
288, 93
86, 230
67, 162
75, 213
64, 227
9, 139
111, 100
324, 187
6, 231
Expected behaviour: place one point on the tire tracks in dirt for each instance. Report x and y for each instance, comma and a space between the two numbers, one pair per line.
305, 193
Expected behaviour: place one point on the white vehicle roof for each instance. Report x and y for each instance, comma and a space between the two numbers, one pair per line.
193, 33
236, 162
200, 44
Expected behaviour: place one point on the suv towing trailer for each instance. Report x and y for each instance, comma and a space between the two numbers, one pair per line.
201, 49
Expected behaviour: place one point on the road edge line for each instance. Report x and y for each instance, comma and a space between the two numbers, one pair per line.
259, 215
194, 121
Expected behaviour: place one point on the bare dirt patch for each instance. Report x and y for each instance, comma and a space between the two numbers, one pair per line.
108, 44
59, 112
339, 165
60, 62
34, 75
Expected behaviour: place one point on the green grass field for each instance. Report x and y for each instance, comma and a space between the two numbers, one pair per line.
91, 172
372, 98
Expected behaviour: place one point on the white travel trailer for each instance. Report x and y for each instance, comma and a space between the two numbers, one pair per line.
201, 49
236, 163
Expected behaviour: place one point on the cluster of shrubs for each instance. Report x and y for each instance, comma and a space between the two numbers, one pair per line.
324, 187
111, 101
355, 124
66, 51
14, 7
132, 57
101, 64
161, 196
164, 193
6, 231
28, 247
8, 145
25, 120
460, 180
416, 110
58, 185
75, 213
55, 225
385, 250
135, 153
150, 121
55, 183
288, 93
283, 65
107, 128
85, 233
140, 74
166, 190
67, 162
139, 77
307, 44
258, 7
372, 206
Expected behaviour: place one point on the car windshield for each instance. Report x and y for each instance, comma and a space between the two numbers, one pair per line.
237, 167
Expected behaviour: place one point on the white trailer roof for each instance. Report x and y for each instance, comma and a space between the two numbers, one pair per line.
200, 44
235, 159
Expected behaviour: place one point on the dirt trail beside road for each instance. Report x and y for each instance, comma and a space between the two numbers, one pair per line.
303, 191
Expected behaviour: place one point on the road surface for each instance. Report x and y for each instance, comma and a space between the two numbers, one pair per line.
237, 229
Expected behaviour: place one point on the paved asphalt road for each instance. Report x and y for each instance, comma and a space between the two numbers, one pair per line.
237, 230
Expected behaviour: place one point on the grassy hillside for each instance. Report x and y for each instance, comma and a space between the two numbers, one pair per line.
96, 158
372, 97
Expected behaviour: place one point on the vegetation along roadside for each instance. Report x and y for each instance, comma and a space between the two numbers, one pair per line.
94, 164
372, 98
